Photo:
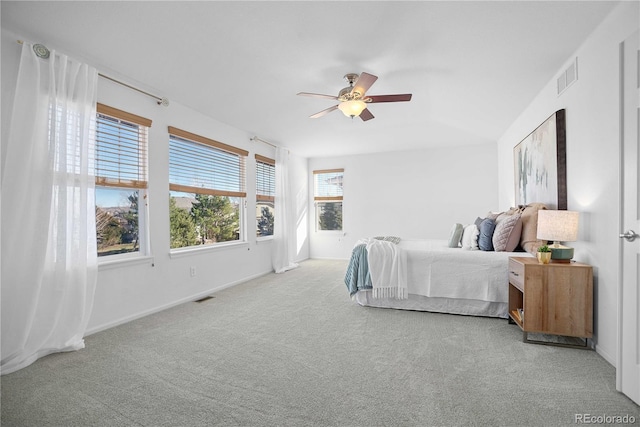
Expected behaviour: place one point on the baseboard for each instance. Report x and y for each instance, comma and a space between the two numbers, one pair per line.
606, 356
190, 298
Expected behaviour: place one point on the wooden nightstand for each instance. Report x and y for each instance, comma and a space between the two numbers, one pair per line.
555, 298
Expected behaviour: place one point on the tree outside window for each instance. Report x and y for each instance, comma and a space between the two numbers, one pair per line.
117, 221
201, 219
329, 215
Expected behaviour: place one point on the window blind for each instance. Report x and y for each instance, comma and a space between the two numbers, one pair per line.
265, 179
328, 184
200, 165
121, 148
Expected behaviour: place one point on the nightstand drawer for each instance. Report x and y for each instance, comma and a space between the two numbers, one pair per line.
516, 274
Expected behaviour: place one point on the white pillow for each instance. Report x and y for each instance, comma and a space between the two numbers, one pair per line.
470, 237
455, 235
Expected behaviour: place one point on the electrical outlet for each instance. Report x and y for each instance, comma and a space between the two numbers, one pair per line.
192, 271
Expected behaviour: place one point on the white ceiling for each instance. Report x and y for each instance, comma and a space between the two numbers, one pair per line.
472, 67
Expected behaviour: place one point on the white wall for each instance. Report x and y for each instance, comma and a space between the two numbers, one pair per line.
410, 194
592, 118
129, 290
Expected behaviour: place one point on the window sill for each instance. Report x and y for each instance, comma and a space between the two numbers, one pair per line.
178, 253
106, 264
264, 239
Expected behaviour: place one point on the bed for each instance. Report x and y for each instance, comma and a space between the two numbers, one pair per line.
437, 277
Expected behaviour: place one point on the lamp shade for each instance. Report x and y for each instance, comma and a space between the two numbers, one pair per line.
559, 226
352, 108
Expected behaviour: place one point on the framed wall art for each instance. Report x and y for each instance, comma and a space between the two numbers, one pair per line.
540, 165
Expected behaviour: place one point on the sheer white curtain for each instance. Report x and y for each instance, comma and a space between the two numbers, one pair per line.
284, 232
49, 261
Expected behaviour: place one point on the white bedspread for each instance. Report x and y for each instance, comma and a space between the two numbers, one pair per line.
435, 270
388, 269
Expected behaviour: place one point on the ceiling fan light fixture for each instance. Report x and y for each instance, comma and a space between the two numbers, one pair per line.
352, 108
353, 99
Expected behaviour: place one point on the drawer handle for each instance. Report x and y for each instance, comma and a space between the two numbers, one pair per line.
514, 273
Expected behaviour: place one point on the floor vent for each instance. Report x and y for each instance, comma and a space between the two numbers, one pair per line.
204, 299
568, 77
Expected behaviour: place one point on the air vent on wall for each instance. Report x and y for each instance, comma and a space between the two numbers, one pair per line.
568, 77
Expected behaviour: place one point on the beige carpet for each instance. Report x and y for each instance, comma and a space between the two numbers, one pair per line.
292, 349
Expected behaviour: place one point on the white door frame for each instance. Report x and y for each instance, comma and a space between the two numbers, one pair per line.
628, 354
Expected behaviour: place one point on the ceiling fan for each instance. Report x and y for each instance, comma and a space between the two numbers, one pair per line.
353, 101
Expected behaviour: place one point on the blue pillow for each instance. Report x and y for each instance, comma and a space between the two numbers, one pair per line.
485, 240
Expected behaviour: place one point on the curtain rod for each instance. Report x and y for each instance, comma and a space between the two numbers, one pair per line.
255, 138
43, 52
161, 101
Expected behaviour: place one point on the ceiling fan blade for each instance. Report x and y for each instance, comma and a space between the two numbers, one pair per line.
363, 83
323, 112
317, 95
366, 115
390, 98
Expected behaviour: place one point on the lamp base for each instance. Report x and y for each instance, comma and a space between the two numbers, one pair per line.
561, 253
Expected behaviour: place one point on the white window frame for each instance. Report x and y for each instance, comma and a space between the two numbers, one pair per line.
126, 180
205, 184
323, 192
265, 188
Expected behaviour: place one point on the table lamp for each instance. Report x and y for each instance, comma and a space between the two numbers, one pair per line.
558, 226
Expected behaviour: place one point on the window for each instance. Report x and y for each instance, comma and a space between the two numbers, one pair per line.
328, 198
206, 190
121, 181
265, 195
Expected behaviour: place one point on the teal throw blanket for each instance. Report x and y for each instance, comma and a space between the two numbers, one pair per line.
357, 276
